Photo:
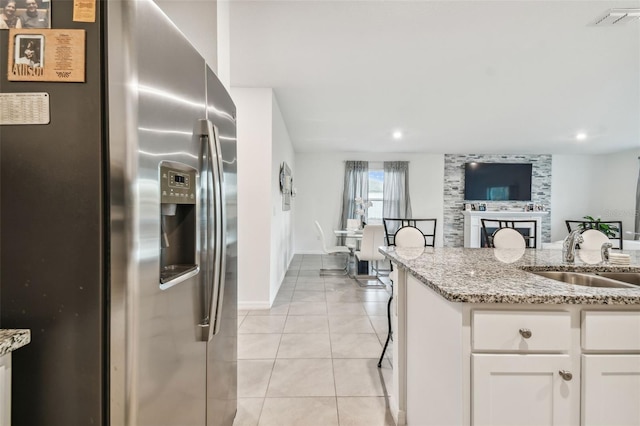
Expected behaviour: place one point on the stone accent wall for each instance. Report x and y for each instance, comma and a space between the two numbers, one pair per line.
454, 192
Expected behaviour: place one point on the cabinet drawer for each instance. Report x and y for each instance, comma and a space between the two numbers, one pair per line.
522, 331
611, 331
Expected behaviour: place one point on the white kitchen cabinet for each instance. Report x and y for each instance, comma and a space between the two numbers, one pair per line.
514, 383
610, 368
522, 389
611, 390
500, 364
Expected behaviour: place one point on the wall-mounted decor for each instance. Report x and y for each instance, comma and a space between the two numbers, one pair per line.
286, 186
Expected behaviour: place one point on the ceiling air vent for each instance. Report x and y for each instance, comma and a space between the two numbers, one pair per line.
617, 17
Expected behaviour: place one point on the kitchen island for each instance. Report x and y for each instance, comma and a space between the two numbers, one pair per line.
10, 340
480, 338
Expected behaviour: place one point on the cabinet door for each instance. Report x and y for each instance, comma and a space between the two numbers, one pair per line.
523, 390
611, 390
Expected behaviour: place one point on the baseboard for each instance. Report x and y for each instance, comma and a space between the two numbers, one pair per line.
253, 306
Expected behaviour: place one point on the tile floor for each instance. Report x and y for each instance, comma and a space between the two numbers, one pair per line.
312, 358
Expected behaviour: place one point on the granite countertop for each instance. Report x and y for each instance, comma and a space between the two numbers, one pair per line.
481, 275
11, 339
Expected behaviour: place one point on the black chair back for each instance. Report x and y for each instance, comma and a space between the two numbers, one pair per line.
426, 226
490, 226
611, 228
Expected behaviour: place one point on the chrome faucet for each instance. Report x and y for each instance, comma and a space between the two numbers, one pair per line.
569, 245
604, 251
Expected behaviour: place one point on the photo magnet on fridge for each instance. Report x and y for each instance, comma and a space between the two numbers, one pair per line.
46, 55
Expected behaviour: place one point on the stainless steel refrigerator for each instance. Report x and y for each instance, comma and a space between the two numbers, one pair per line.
118, 232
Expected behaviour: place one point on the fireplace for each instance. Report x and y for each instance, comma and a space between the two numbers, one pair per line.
483, 242
473, 236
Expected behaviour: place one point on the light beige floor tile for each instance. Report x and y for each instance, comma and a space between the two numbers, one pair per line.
375, 308
345, 308
307, 308
312, 266
361, 377
241, 319
343, 281
299, 412
375, 296
364, 411
253, 377
306, 286
347, 295
307, 324
380, 325
279, 308
350, 324
305, 346
258, 346
309, 273
288, 285
310, 280
355, 346
248, 412
301, 377
242, 312
308, 296
262, 324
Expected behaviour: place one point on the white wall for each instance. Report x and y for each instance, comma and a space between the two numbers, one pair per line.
319, 180
596, 185
282, 221
265, 235
571, 181
614, 190
197, 19
223, 43
254, 196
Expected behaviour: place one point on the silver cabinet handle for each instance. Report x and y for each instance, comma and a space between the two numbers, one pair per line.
525, 332
566, 375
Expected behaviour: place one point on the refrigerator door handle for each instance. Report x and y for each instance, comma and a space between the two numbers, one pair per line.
221, 264
208, 229
216, 232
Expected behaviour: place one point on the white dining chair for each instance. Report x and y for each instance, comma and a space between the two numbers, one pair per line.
334, 251
508, 238
593, 239
372, 238
353, 224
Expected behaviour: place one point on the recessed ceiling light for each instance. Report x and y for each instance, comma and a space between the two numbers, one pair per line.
581, 136
397, 135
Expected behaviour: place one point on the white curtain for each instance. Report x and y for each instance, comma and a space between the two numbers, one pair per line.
356, 184
396, 202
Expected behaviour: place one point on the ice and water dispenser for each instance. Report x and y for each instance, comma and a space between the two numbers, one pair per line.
177, 223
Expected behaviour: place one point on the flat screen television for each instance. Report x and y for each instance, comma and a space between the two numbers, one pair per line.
497, 181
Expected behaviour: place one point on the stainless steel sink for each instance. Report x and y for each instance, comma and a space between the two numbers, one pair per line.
627, 277
584, 279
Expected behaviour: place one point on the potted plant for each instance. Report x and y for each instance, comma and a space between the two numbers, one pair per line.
605, 228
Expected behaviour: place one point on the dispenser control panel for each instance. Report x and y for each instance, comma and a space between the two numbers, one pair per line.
177, 186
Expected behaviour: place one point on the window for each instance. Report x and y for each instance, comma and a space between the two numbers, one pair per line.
376, 193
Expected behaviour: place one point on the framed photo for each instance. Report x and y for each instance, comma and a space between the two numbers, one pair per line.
29, 50
25, 14
46, 55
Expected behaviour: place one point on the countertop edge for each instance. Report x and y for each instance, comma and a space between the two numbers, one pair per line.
465, 276
12, 339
